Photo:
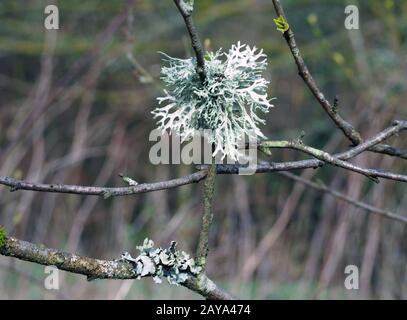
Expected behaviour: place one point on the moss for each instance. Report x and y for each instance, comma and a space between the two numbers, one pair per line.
3, 237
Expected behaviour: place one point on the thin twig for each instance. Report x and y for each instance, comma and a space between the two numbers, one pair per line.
319, 154
208, 193
397, 127
186, 13
266, 167
103, 191
349, 131
321, 187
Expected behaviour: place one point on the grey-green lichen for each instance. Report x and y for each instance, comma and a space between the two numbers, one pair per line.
204, 283
3, 237
226, 107
187, 6
57, 258
176, 266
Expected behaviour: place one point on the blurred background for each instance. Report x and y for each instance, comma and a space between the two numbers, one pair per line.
75, 108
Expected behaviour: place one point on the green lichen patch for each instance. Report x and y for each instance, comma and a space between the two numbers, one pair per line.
282, 24
3, 237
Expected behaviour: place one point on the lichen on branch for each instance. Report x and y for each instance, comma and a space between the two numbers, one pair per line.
176, 266
227, 103
3, 237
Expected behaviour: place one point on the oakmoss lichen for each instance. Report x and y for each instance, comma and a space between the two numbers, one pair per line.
3, 237
226, 108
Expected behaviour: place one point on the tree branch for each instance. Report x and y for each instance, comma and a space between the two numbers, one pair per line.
208, 193
209, 188
337, 194
349, 131
266, 167
186, 12
96, 268
102, 191
396, 128
319, 154
338, 159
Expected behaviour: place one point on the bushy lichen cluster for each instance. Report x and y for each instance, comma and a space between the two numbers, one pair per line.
227, 103
176, 266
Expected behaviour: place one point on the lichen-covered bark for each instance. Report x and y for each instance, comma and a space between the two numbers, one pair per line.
96, 268
3, 237
92, 268
106, 192
339, 159
209, 189
207, 288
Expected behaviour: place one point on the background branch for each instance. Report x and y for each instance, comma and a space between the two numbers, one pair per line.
106, 192
369, 208
349, 131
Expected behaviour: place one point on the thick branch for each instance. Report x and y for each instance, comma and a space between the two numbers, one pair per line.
349, 131
266, 167
96, 268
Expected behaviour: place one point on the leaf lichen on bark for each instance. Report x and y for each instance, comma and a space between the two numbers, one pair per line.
57, 259
176, 266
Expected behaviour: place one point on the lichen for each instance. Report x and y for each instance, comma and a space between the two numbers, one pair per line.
225, 108
205, 284
171, 264
187, 5
3, 237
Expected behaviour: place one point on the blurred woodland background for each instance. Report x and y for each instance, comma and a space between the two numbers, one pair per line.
75, 108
